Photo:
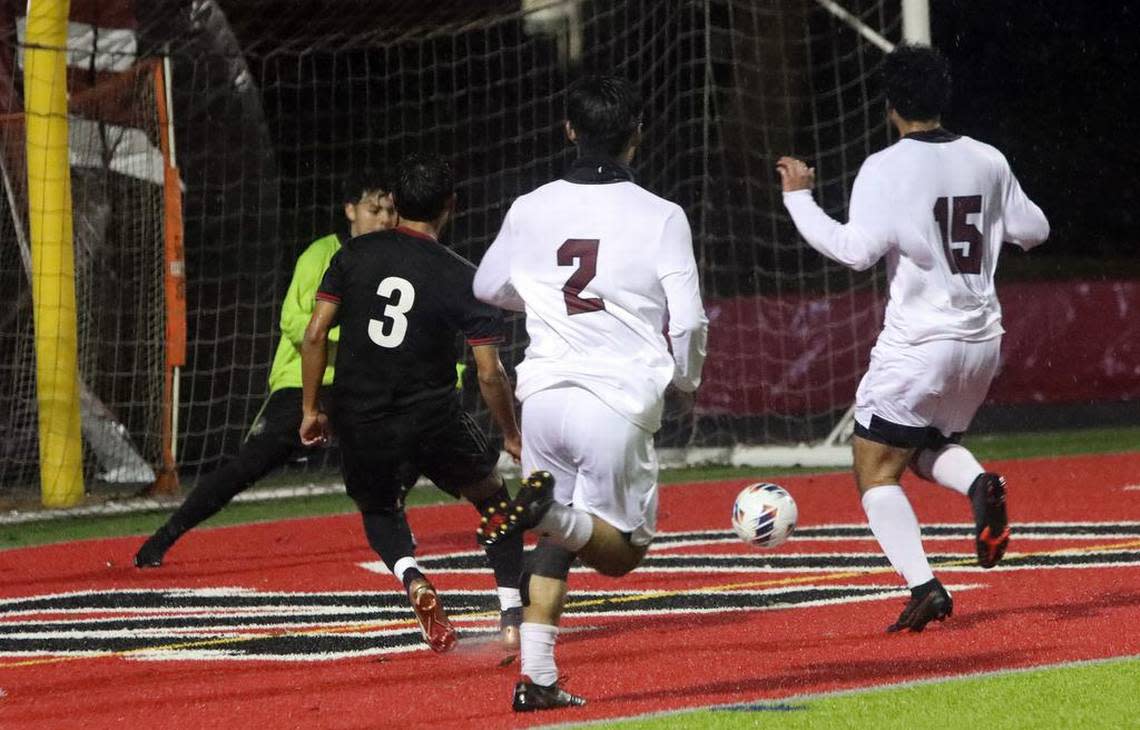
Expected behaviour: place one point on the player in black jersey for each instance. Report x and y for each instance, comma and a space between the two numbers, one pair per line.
402, 300
272, 439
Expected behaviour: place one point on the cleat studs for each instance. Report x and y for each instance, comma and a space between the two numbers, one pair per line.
518, 510
490, 510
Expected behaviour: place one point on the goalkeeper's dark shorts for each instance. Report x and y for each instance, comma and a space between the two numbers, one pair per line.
438, 439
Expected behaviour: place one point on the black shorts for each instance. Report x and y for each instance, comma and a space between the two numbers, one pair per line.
905, 437
439, 439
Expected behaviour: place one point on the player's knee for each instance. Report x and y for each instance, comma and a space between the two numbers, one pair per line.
488, 490
616, 569
618, 562
921, 461
550, 560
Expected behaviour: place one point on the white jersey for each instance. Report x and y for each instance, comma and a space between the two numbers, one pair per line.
600, 265
938, 206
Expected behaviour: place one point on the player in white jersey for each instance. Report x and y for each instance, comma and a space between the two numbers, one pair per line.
937, 206
603, 269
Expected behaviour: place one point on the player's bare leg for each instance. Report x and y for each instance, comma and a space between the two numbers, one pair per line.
609, 550
954, 467
878, 469
505, 558
545, 597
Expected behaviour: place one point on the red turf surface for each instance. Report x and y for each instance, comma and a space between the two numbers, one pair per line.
624, 665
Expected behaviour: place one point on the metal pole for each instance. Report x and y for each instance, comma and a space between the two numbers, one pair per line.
53, 254
916, 21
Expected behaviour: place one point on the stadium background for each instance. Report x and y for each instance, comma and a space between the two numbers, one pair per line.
275, 100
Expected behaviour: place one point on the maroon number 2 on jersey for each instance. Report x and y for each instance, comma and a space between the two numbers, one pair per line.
585, 251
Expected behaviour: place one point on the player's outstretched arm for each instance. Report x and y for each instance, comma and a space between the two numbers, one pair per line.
495, 387
314, 358
850, 244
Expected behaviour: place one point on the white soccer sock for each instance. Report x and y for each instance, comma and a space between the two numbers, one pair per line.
402, 565
509, 598
571, 528
896, 528
536, 653
952, 466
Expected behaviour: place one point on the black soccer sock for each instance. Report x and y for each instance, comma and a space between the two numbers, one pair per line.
502, 495
389, 535
505, 557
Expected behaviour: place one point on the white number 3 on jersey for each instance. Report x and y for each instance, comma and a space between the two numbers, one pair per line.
401, 295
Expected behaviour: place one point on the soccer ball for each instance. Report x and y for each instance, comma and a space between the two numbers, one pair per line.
764, 515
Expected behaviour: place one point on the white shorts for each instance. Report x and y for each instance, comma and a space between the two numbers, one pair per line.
922, 396
601, 462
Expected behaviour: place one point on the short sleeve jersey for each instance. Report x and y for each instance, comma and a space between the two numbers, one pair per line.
404, 300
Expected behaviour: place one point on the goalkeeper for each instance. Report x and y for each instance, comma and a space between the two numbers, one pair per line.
273, 437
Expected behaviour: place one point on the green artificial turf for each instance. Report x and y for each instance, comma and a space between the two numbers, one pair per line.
1090, 695
992, 447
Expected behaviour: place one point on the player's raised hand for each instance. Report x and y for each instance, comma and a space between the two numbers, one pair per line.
314, 429
795, 174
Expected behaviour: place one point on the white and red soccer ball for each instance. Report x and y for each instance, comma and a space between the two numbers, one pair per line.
764, 515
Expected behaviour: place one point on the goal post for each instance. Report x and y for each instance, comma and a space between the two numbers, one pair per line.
90, 260
916, 21
276, 101
53, 258
174, 284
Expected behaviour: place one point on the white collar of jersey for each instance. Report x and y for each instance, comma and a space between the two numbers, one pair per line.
597, 171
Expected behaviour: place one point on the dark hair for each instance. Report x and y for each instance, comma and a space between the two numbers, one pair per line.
917, 82
424, 183
361, 182
604, 111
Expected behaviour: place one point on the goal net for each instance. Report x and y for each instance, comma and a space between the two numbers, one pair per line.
274, 102
117, 194
729, 87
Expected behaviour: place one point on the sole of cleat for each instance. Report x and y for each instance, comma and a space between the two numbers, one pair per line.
991, 550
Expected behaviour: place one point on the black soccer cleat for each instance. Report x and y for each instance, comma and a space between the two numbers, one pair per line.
152, 552
928, 602
530, 697
526, 510
991, 523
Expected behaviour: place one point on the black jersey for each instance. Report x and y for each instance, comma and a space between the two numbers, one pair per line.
403, 299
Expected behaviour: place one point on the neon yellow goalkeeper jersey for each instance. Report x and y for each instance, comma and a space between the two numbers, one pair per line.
296, 311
